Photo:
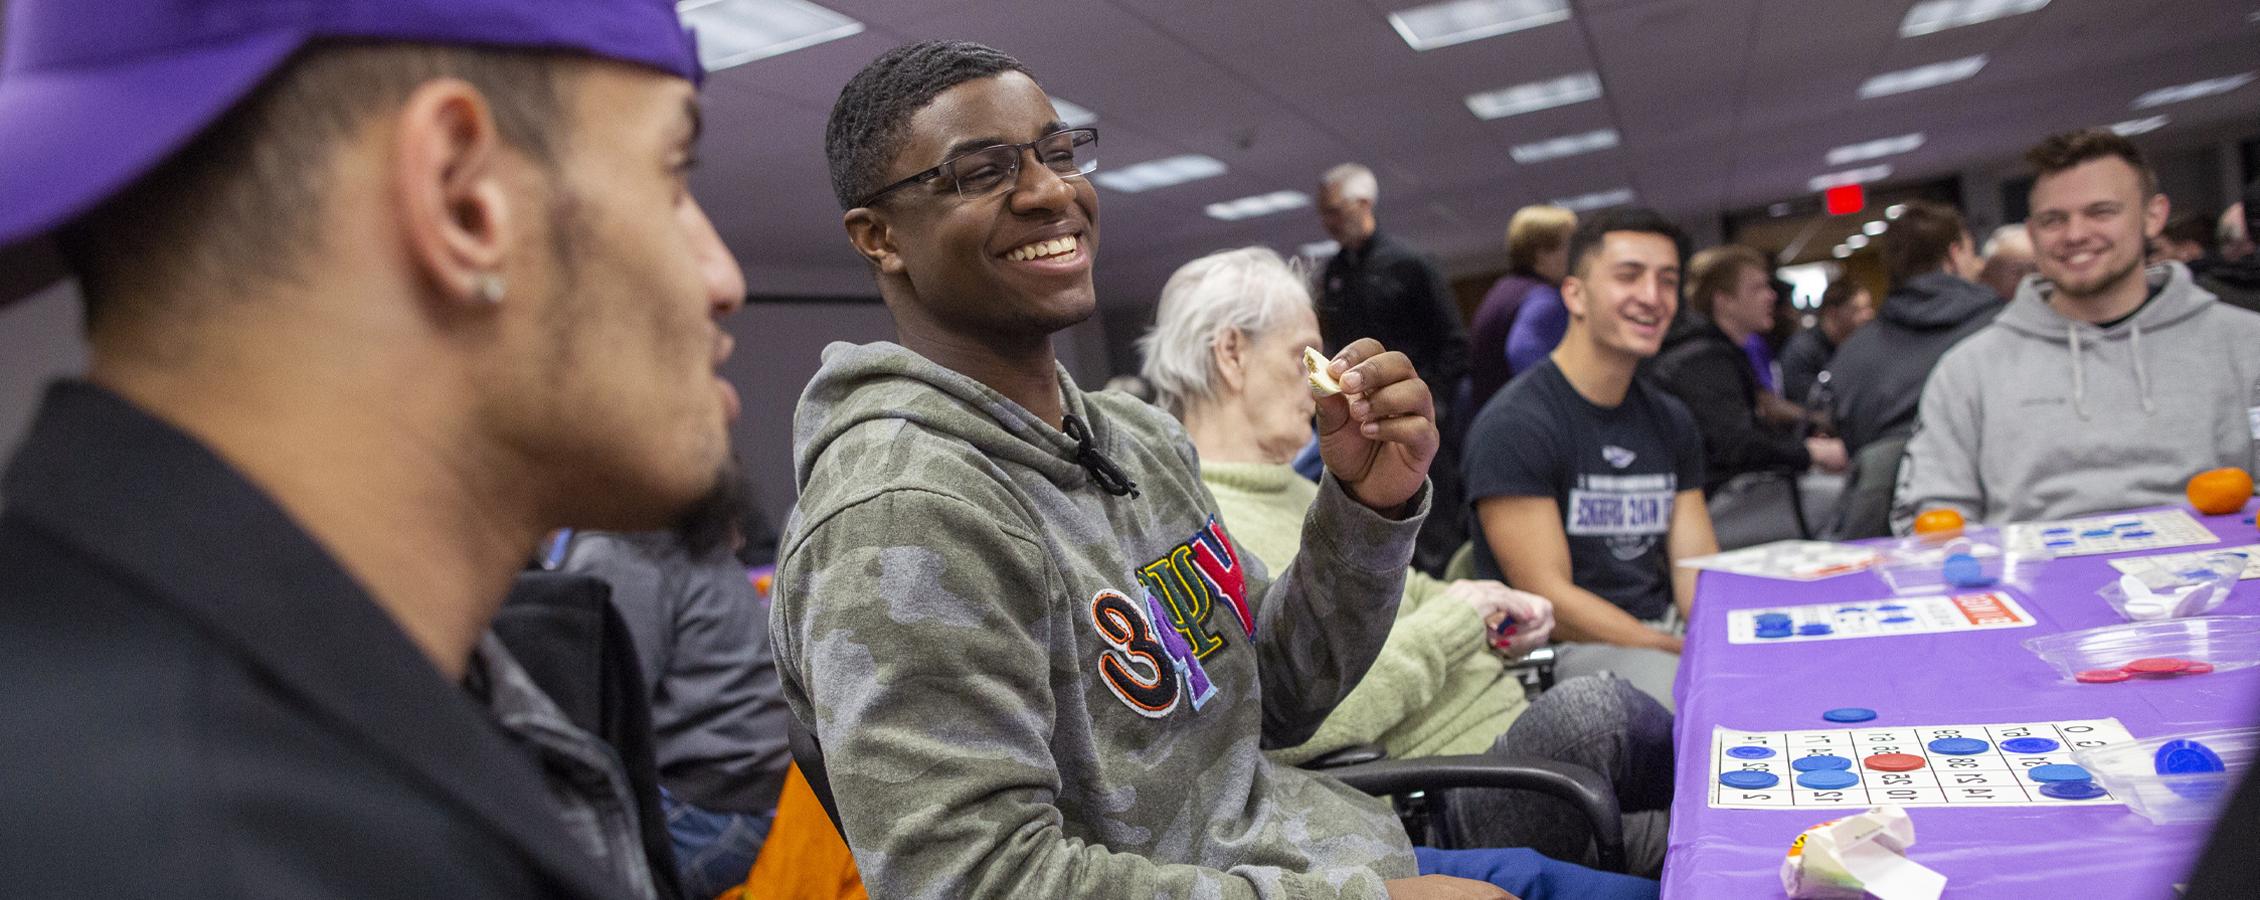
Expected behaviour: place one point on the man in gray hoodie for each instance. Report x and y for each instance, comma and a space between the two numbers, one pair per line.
1035, 662
2103, 385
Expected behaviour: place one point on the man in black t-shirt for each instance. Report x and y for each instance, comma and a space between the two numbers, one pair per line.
1587, 483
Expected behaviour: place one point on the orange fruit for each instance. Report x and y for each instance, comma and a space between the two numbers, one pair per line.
2220, 491
1938, 523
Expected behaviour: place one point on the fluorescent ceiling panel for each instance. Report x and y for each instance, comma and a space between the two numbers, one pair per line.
2193, 90
736, 32
1321, 249
1861, 175
1874, 228
1159, 173
1258, 205
1856, 241
1072, 115
2132, 127
1938, 15
1460, 21
1921, 77
1567, 145
1595, 200
1875, 149
1534, 96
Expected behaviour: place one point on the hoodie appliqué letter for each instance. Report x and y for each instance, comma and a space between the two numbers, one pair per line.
1147, 668
1191, 577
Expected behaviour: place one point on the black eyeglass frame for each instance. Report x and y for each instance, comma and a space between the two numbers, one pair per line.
1018, 151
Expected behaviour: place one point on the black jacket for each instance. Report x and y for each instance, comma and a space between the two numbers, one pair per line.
1802, 361
2236, 283
1387, 291
201, 703
1711, 374
1877, 376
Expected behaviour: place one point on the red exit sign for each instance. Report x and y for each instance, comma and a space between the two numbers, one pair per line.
1845, 199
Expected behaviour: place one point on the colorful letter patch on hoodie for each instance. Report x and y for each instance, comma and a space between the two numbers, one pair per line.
1192, 577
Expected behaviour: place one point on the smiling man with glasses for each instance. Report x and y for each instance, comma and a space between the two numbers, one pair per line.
1035, 661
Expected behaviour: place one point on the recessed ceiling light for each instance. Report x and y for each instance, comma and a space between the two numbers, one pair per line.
1880, 147
1861, 175
1321, 249
1595, 200
1460, 21
1894, 211
1856, 241
1938, 15
736, 32
1841, 251
1778, 210
1534, 96
2193, 90
1567, 145
1159, 173
2132, 127
1073, 115
1920, 77
1258, 205
1874, 228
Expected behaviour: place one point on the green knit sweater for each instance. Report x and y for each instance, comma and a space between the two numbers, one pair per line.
1435, 689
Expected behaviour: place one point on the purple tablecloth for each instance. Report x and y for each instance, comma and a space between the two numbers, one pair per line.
2089, 853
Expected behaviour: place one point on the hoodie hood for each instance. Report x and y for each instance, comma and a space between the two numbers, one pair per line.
2174, 299
1937, 301
886, 382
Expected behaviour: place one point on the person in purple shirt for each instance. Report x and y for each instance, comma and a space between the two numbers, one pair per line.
1537, 258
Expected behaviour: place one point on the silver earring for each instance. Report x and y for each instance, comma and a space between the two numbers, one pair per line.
490, 288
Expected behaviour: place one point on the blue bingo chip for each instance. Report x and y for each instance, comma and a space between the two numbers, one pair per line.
2185, 757
2056, 530
2137, 533
2097, 533
1750, 751
1820, 762
2072, 790
1750, 780
1850, 714
1828, 779
1773, 632
2059, 772
2029, 745
1851, 609
1890, 607
1959, 746
1815, 628
1895, 620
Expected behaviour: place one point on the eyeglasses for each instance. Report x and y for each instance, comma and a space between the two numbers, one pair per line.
1069, 154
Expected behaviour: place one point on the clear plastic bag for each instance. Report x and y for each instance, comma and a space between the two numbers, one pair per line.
2207, 643
2154, 593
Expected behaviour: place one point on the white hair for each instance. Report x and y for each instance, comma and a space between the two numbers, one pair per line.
1351, 181
1250, 290
2012, 232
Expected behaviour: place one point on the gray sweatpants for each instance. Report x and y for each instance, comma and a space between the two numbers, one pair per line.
1600, 722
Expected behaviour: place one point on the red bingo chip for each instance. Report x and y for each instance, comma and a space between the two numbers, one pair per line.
2157, 665
2102, 676
1894, 762
2197, 668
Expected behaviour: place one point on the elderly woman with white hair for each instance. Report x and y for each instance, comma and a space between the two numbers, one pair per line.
1225, 356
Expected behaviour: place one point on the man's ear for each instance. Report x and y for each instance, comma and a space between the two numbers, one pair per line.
872, 235
450, 171
1230, 352
1573, 296
2155, 212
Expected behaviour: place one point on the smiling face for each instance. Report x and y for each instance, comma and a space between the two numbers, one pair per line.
2091, 226
1014, 264
1625, 294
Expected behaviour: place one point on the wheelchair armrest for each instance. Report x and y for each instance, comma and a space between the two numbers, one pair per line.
1351, 755
1579, 786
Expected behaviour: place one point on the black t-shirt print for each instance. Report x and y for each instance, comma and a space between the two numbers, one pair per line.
1613, 472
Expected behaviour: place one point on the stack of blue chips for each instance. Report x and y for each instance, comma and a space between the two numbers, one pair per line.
2065, 781
1775, 625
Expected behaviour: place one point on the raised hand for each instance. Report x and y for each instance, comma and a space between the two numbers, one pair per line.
1379, 435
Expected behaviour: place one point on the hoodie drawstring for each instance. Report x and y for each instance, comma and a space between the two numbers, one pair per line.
1103, 470
2141, 374
2079, 379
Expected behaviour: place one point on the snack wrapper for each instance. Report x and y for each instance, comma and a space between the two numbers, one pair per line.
1856, 856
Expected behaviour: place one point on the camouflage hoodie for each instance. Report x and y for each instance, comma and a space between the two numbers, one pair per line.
1028, 685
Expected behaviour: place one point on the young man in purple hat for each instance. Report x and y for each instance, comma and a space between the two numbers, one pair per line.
377, 293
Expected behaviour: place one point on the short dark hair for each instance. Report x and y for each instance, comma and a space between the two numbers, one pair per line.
1591, 229
1920, 240
239, 202
2058, 152
871, 121
2195, 228
1839, 294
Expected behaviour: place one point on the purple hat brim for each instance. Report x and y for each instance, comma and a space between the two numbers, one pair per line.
80, 136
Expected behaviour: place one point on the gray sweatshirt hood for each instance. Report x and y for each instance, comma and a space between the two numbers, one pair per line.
2175, 299
883, 381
